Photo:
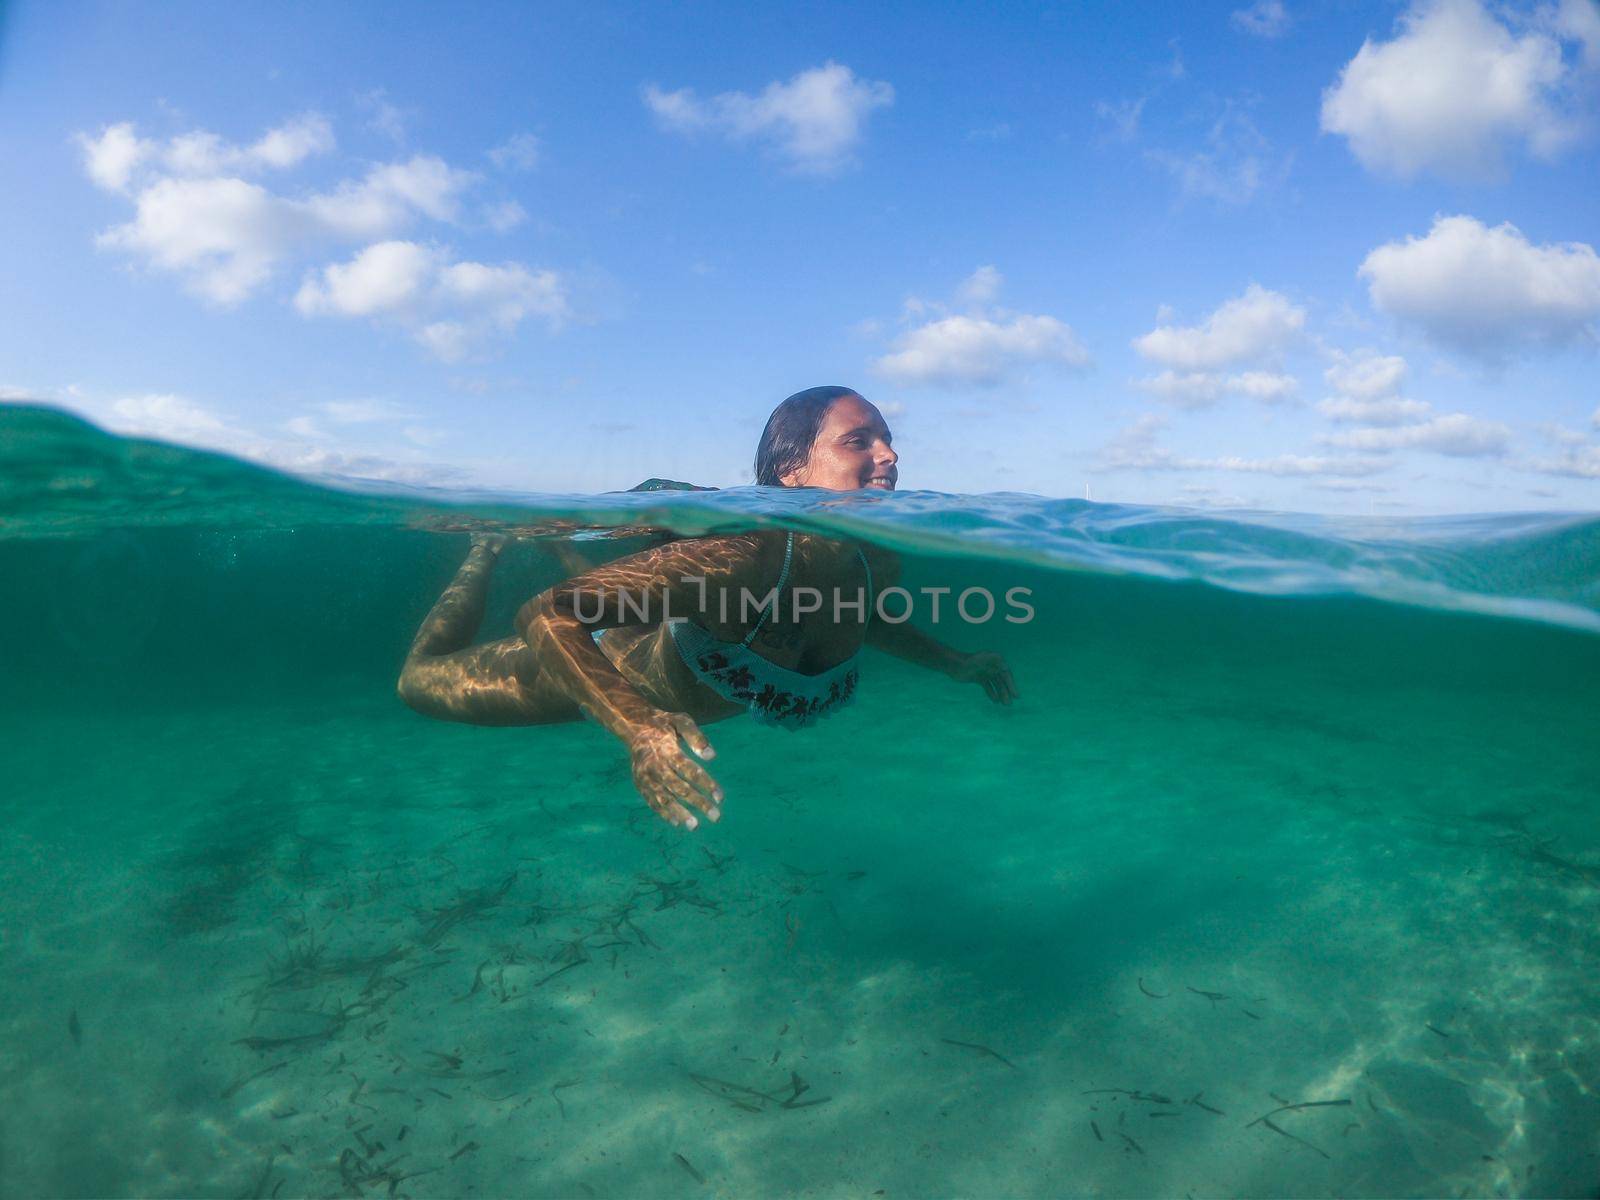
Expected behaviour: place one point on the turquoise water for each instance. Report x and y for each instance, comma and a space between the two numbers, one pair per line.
1292, 811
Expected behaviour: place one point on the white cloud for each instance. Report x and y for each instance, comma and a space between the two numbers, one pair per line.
979, 350
505, 216
1264, 18
1121, 117
1367, 386
452, 308
1456, 88
519, 152
1350, 485
504, 294
1257, 325
813, 121
1207, 176
363, 412
171, 418
224, 236
1456, 435
326, 461
448, 341
1576, 462
1202, 496
982, 286
197, 216
1135, 449
356, 412
1487, 292
308, 450
1265, 386
1201, 389
384, 118
113, 158
1186, 389
1579, 456
1382, 410
1577, 21
983, 346
1285, 465
286, 145
388, 277
1366, 376
390, 195
1234, 165
1176, 69
1561, 435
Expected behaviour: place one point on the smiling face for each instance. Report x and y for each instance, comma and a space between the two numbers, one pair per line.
852, 451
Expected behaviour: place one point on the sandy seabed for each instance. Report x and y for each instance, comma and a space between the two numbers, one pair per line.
285, 950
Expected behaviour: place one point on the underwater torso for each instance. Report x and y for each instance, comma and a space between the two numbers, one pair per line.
742, 678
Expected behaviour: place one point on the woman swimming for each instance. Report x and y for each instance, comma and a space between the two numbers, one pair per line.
598, 645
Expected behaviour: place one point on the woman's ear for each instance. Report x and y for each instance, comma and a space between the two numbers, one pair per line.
794, 478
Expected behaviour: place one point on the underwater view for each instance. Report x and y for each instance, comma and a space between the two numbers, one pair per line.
489, 709
1279, 878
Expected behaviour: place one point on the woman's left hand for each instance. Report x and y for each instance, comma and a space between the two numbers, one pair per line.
991, 671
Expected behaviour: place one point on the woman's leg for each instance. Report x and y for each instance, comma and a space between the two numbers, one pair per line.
453, 621
498, 683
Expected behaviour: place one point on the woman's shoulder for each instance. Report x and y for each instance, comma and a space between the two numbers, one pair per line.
748, 555
814, 552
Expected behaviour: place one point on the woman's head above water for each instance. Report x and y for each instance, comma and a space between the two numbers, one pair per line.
826, 437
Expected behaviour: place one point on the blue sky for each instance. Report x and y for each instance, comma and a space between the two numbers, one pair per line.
1318, 256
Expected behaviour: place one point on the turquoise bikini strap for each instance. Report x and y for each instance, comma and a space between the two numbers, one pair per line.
777, 598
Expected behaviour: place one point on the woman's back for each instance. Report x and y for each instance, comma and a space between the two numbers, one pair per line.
750, 648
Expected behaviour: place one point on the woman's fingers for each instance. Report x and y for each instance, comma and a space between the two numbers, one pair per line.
663, 799
670, 790
669, 779
698, 778
677, 814
692, 736
689, 792
700, 789
998, 683
689, 782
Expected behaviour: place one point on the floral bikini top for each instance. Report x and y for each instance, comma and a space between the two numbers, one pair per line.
774, 695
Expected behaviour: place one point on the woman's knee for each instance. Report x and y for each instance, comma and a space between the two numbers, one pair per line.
412, 688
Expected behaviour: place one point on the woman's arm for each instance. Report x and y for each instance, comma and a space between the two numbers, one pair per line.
910, 643
905, 641
982, 667
679, 579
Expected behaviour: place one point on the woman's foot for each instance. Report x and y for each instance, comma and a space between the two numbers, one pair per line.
492, 542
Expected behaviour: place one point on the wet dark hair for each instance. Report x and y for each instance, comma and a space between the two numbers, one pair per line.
791, 432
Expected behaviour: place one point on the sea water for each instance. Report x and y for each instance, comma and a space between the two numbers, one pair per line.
1280, 879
